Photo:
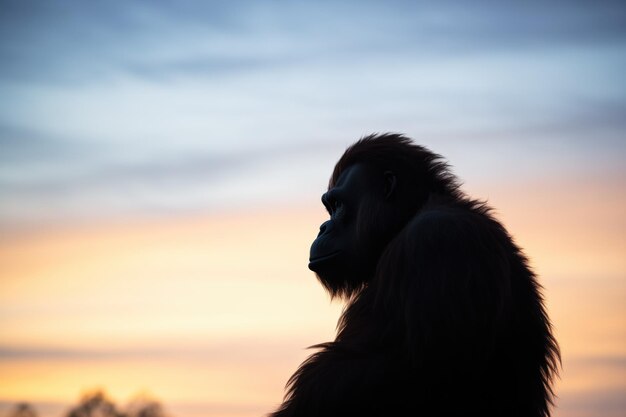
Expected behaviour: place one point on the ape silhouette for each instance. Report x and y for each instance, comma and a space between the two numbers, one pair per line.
443, 315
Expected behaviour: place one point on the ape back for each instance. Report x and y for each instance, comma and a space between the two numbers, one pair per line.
443, 315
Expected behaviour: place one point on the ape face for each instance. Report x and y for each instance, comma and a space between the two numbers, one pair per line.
346, 250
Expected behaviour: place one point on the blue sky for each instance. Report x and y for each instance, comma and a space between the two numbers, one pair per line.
158, 108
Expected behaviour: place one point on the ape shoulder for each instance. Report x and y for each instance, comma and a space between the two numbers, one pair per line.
447, 279
458, 238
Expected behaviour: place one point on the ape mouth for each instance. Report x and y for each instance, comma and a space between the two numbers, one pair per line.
323, 257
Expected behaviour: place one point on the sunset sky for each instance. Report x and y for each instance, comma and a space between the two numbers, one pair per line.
161, 165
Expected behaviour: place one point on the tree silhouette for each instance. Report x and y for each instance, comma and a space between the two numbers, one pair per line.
95, 404
144, 406
23, 410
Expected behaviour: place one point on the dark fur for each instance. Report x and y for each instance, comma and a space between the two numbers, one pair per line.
451, 323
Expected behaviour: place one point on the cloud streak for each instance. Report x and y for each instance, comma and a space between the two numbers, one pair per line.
71, 41
145, 107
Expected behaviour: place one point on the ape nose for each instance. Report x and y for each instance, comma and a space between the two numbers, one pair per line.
323, 228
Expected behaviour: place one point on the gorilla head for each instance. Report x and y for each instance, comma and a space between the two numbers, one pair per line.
373, 192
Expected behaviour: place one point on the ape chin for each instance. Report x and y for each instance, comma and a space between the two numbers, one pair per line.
443, 316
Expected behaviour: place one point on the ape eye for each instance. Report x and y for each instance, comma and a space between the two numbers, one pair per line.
336, 206
331, 203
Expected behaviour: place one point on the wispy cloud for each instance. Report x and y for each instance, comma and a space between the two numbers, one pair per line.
72, 41
150, 107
